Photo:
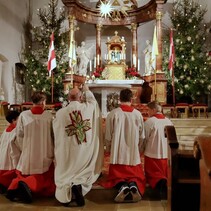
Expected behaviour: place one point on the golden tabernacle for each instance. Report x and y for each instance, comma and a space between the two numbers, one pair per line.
115, 59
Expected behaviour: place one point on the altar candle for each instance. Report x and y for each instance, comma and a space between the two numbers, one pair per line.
95, 62
90, 66
138, 64
98, 59
134, 60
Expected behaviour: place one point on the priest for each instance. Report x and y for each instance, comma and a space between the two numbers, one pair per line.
78, 147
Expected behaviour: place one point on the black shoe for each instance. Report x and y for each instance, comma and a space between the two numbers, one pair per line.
135, 192
3, 189
162, 187
25, 192
128, 198
123, 192
66, 204
79, 198
12, 195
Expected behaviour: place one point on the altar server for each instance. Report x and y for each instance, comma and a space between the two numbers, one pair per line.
8, 147
78, 147
124, 134
35, 169
155, 160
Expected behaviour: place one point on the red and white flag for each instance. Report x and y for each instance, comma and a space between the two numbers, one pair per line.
51, 56
171, 53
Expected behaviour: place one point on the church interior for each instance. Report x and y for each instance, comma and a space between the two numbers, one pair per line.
112, 45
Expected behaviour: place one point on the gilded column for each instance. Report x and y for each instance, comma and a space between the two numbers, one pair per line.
134, 45
98, 45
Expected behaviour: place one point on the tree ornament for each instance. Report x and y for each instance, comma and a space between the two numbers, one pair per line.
189, 38
181, 92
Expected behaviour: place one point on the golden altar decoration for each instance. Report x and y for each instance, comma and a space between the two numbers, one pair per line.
115, 59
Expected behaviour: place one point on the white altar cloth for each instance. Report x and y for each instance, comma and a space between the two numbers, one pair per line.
116, 82
103, 88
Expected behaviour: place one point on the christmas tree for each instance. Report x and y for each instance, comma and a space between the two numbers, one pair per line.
36, 55
192, 61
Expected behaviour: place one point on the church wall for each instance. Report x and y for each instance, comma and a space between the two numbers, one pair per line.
12, 16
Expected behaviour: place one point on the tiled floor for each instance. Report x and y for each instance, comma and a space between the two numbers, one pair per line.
92, 204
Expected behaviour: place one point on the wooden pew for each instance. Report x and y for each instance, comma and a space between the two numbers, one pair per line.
202, 151
183, 175
188, 129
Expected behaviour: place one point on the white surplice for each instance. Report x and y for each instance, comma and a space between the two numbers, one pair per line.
35, 141
156, 142
9, 153
125, 132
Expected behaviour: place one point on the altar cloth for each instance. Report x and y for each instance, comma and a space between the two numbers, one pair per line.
116, 82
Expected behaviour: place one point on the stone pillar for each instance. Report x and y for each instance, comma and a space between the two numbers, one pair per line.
98, 45
134, 45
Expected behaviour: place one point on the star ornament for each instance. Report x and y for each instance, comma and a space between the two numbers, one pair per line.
106, 9
78, 127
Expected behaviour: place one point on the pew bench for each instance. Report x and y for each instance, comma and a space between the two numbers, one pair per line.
202, 152
183, 175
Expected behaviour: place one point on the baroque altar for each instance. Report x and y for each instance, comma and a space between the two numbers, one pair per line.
115, 61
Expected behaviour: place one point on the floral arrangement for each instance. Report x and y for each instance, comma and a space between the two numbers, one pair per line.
98, 73
131, 73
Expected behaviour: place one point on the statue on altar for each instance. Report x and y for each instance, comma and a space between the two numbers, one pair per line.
84, 55
148, 54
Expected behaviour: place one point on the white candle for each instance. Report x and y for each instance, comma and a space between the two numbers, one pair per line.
90, 66
98, 59
134, 60
138, 64
95, 62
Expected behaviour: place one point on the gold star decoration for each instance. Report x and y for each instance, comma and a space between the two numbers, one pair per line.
78, 127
